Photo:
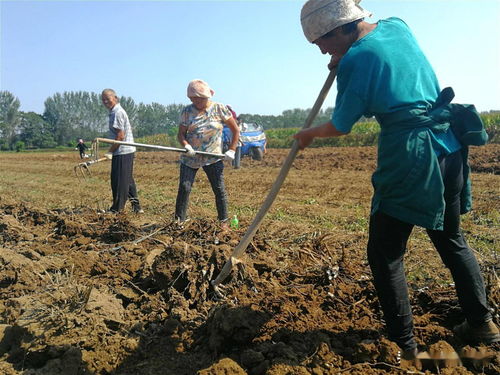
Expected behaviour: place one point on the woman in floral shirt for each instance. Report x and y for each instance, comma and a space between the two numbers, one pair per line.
200, 129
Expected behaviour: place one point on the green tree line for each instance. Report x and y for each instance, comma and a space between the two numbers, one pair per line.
73, 115
70, 116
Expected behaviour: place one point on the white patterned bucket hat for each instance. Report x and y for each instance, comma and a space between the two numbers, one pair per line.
319, 17
199, 88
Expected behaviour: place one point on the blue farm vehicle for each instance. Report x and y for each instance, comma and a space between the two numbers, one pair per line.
252, 142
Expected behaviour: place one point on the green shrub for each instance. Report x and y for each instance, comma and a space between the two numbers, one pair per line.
362, 134
4, 145
492, 125
19, 146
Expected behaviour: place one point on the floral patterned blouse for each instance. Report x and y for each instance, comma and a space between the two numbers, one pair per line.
204, 132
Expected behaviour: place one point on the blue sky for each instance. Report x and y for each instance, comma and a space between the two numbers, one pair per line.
252, 53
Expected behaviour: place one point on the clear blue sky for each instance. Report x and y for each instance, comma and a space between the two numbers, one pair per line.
252, 53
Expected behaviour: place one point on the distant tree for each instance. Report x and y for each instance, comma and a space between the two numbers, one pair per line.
323, 116
156, 118
34, 131
266, 121
150, 119
173, 115
170, 126
294, 117
131, 108
9, 118
74, 115
290, 118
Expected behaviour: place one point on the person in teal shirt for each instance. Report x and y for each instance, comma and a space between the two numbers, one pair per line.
422, 172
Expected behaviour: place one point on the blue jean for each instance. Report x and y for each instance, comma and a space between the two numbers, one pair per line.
215, 174
386, 247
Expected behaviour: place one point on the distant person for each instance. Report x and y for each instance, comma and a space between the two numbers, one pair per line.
200, 129
81, 147
122, 157
422, 172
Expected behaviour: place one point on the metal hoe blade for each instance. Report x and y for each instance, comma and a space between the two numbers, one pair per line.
82, 170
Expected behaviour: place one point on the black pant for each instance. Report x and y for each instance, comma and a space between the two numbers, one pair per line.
122, 182
215, 174
386, 248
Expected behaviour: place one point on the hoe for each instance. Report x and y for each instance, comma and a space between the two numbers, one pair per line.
82, 169
287, 164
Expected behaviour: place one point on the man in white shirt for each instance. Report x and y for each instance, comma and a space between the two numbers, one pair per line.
122, 157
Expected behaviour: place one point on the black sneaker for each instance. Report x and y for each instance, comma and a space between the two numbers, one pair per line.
136, 207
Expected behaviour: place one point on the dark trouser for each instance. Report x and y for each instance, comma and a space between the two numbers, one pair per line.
386, 248
122, 182
82, 154
215, 174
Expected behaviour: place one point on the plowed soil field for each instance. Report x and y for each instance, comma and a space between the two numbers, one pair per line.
85, 292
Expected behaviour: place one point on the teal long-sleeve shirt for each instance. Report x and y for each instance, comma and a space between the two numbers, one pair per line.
385, 74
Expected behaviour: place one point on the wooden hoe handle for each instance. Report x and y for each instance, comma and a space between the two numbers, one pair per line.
252, 229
